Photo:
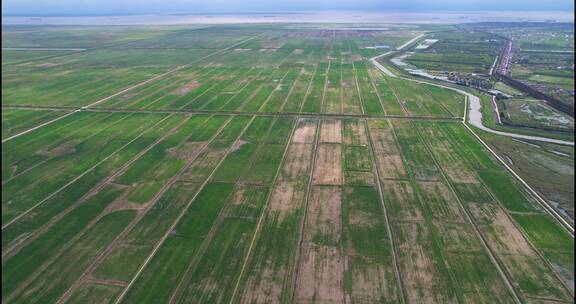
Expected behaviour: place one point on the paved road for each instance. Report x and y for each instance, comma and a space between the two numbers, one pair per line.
474, 109
506, 62
475, 119
409, 42
383, 69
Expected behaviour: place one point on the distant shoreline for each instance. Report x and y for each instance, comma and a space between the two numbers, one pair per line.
349, 17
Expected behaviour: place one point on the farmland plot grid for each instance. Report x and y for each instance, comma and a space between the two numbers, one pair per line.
256, 164
171, 139
29, 223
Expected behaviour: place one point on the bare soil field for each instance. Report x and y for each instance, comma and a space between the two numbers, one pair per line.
331, 131
321, 269
328, 167
391, 166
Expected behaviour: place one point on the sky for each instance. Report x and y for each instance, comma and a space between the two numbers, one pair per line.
119, 7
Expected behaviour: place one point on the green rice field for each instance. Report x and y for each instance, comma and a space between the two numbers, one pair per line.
256, 164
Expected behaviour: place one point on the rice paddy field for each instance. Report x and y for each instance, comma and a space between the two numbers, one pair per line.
254, 164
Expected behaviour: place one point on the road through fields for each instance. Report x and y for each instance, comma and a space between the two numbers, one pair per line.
474, 118
474, 108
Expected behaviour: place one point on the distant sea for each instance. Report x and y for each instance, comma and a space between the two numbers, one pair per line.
349, 17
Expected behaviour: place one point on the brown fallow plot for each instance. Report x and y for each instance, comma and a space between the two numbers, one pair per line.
189, 87
328, 167
388, 159
331, 131
304, 134
288, 193
266, 284
321, 270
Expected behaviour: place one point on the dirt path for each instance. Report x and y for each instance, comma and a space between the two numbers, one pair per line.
68, 139
40, 49
291, 90
93, 280
272, 92
325, 88
495, 110
358, 91
294, 266
297, 257
398, 99
251, 113
207, 241
39, 126
377, 174
240, 90
377, 92
491, 72
380, 191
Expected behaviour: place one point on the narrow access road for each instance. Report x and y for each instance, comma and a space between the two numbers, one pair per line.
475, 119
493, 66
41, 49
474, 109
383, 69
39, 126
249, 113
409, 42
495, 110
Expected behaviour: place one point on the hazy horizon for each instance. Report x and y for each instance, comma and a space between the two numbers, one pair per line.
135, 7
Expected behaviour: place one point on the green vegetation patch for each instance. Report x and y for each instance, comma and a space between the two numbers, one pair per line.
27, 261
507, 192
95, 293
357, 158
548, 236
121, 266
53, 281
